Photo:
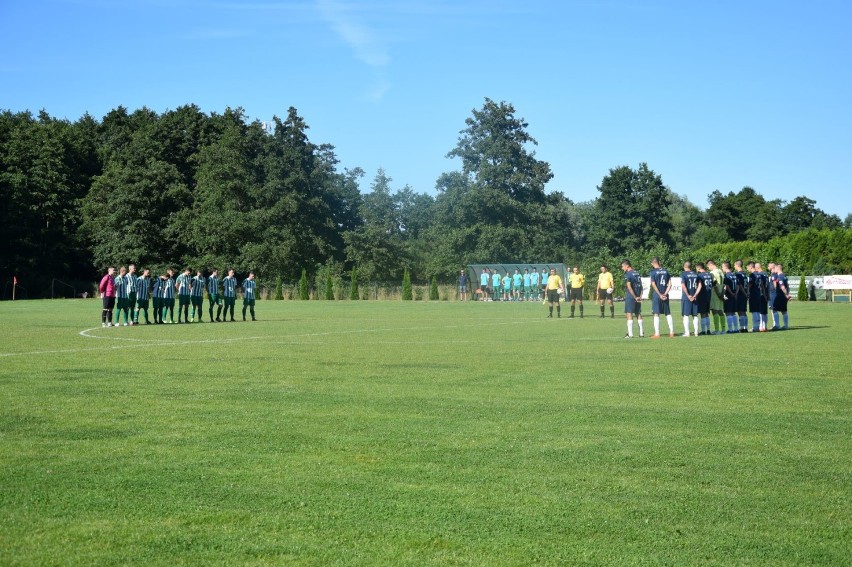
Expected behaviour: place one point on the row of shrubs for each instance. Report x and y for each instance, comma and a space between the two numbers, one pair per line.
334, 289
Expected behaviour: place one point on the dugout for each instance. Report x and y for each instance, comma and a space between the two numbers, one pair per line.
474, 271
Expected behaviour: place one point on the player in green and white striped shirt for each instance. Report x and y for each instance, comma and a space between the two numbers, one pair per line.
121, 295
130, 278
229, 290
184, 287
197, 295
143, 292
167, 289
249, 289
213, 294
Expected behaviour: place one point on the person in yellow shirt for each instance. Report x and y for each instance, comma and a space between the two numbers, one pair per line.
554, 290
604, 291
575, 293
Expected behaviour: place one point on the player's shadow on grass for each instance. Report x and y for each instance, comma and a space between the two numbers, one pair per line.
807, 327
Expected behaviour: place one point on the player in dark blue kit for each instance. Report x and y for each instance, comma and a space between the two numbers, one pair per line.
632, 298
661, 284
731, 291
690, 290
705, 297
782, 296
742, 296
770, 287
757, 294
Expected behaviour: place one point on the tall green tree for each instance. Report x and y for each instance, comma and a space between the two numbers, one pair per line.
632, 211
377, 246
734, 213
297, 199
492, 209
45, 169
223, 220
802, 213
686, 219
133, 210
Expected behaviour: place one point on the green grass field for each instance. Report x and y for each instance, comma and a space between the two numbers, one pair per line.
425, 433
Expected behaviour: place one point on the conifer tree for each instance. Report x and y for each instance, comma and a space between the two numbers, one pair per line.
304, 291
433, 290
802, 295
353, 290
329, 287
406, 286
279, 293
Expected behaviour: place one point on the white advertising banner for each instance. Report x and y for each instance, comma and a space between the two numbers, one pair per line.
837, 282
674, 292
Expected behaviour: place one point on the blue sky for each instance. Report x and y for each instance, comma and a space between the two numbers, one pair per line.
712, 95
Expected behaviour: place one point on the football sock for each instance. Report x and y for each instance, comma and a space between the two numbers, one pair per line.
641, 328
602, 310
630, 327
104, 315
572, 311
743, 322
550, 310
695, 323
656, 324
581, 310
558, 310
755, 321
775, 319
612, 310
686, 324
786, 321
671, 324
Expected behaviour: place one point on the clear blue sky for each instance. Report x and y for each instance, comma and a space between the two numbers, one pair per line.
712, 95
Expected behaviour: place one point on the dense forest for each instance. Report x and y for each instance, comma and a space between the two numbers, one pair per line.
186, 188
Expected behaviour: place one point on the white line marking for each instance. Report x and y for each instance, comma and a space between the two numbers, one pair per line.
139, 343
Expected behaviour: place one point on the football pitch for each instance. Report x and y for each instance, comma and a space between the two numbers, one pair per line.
421, 433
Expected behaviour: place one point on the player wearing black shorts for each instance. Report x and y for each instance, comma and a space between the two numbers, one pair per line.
604, 289
705, 297
731, 291
576, 281
742, 296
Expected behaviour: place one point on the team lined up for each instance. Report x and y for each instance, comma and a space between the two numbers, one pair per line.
510, 287
128, 295
726, 293
532, 286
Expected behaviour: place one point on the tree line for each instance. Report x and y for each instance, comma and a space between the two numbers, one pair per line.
186, 188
